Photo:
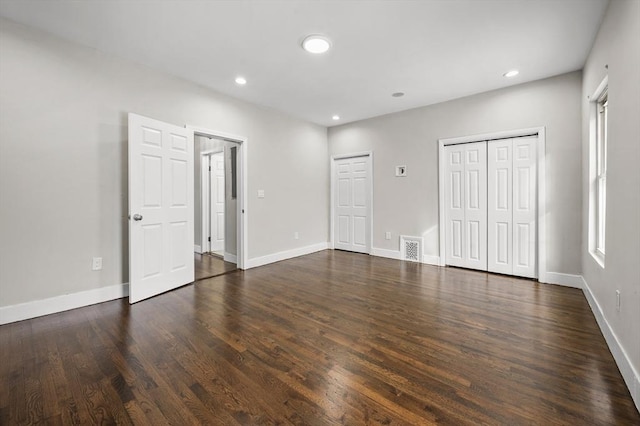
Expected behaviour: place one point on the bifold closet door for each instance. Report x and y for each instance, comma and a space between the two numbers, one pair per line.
466, 205
524, 206
500, 206
511, 192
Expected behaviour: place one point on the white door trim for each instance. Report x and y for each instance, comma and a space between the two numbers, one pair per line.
333, 183
542, 194
242, 215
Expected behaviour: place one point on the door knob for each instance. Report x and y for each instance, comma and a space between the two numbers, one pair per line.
137, 217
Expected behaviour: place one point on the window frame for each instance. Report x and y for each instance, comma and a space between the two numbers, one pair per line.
598, 171
602, 105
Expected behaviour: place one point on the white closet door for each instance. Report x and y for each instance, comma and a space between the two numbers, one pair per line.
352, 204
466, 202
500, 206
512, 206
454, 201
490, 206
524, 206
476, 205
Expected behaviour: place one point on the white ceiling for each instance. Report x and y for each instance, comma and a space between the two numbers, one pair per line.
433, 50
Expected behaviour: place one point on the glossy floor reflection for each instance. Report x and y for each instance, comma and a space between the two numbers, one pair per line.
328, 338
209, 265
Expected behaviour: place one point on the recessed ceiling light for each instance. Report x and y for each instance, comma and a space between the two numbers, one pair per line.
336, 117
241, 81
511, 73
316, 44
397, 94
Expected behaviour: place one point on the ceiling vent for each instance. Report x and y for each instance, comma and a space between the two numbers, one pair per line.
411, 248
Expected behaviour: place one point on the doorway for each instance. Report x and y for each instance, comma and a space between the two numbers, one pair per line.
162, 215
219, 191
212, 196
217, 208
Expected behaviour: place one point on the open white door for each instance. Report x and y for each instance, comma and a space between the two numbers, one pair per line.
160, 207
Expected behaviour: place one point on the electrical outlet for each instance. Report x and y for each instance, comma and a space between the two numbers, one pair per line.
97, 264
260, 193
296, 235
387, 235
618, 300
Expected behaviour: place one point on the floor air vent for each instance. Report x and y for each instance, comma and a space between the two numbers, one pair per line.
411, 248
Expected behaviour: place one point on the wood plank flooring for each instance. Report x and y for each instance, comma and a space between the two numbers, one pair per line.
329, 338
208, 266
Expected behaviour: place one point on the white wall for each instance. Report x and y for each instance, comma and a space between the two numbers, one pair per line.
618, 46
63, 163
409, 205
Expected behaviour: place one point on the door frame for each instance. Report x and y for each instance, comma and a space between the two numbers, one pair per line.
368, 154
541, 251
205, 194
241, 175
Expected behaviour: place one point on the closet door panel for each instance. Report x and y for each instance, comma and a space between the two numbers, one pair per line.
500, 206
475, 187
454, 201
524, 207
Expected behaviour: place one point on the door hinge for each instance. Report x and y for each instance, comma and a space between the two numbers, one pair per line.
209, 168
209, 239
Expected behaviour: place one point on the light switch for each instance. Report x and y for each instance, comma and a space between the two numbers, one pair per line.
96, 265
260, 193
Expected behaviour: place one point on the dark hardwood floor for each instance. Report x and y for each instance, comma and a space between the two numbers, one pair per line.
328, 338
208, 265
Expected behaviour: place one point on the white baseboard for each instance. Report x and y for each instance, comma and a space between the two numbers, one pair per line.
389, 254
431, 260
629, 374
52, 305
567, 280
284, 255
232, 258
197, 249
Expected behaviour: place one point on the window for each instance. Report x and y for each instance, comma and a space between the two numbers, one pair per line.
601, 171
598, 172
